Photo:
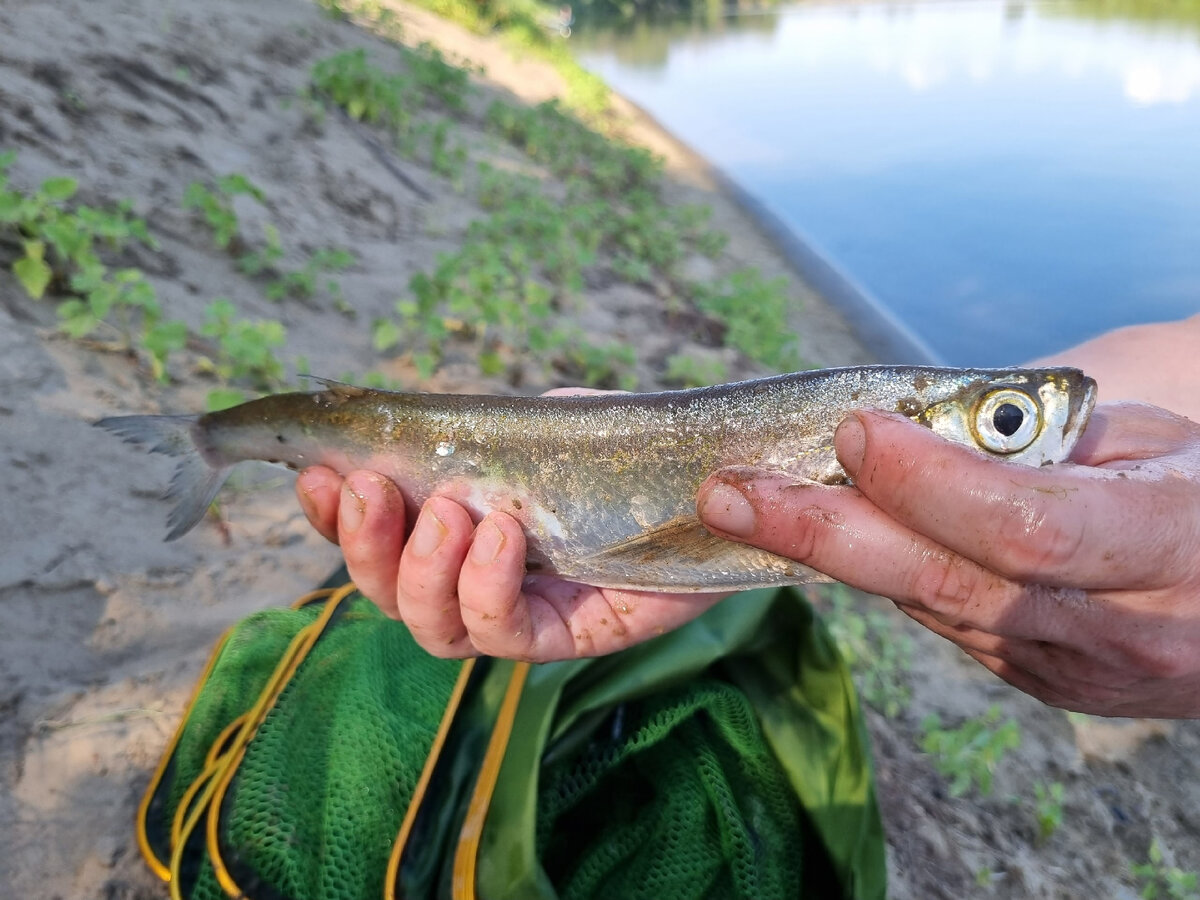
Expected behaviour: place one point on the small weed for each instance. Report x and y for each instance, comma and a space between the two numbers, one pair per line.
440, 82
266, 260
1157, 878
876, 652
985, 877
60, 246
755, 310
968, 755
1048, 808
447, 158
305, 281
684, 370
366, 93
216, 206
245, 349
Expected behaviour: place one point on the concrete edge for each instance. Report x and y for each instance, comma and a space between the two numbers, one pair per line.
877, 327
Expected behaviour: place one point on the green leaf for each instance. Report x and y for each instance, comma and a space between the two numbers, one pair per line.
58, 189
223, 398
76, 319
10, 206
166, 337
32, 271
385, 335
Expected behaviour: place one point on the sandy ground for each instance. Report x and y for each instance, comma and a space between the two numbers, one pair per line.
103, 627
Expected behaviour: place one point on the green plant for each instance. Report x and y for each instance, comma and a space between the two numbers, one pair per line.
685, 370
1048, 808
303, 282
1158, 878
449, 160
437, 79
245, 351
61, 245
755, 311
265, 258
130, 299
216, 206
365, 92
968, 755
876, 652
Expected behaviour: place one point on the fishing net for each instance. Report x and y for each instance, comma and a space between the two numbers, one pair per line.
726, 759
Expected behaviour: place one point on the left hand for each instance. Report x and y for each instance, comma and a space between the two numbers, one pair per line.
1079, 584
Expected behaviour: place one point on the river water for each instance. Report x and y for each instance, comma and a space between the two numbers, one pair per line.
1006, 178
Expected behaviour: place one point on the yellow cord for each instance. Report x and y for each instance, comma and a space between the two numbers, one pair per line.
467, 853
414, 805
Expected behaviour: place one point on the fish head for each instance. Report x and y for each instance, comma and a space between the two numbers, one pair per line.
1029, 416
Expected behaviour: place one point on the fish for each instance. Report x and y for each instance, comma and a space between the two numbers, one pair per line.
604, 485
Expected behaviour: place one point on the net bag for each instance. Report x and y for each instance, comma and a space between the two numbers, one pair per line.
324, 755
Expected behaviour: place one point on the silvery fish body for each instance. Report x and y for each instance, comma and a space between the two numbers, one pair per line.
605, 485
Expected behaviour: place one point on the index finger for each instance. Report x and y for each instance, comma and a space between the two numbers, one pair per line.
1064, 525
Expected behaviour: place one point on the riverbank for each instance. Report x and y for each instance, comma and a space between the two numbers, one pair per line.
104, 628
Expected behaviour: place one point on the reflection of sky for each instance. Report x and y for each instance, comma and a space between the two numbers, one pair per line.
970, 165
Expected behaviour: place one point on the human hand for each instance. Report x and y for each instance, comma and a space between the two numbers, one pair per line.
461, 587
1079, 584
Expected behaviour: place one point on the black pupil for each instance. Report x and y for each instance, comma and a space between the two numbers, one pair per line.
1008, 418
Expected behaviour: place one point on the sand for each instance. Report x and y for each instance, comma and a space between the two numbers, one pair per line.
104, 628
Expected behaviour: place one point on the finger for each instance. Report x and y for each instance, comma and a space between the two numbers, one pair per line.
1029, 683
371, 532
838, 531
1093, 699
426, 584
1063, 525
318, 489
494, 609
1069, 669
573, 620
1120, 432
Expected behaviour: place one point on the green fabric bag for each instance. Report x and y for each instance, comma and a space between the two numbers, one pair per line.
725, 759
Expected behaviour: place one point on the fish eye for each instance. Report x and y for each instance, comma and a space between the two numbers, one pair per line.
1007, 420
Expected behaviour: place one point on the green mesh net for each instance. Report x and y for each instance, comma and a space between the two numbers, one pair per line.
316, 801
692, 801
726, 759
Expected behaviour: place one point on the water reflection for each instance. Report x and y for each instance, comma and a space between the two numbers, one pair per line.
1007, 177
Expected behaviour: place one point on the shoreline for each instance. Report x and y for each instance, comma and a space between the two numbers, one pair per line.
876, 327
845, 324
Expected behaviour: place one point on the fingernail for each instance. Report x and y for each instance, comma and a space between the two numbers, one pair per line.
307, 503
428, 534
353, 508
488, 542
726, 509
850, 441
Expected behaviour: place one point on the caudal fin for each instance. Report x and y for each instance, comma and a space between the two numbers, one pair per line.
195, 483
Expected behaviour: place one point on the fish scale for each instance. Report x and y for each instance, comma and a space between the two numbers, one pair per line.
605, 485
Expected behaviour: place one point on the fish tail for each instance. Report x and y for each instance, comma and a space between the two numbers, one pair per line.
196, 481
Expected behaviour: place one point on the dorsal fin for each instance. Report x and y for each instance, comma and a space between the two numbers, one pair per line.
340, 389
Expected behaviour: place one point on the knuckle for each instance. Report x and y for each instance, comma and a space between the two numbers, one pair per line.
1159, 656
945, 585
807, 534
1029, 544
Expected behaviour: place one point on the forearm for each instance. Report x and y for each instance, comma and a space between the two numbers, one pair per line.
1156, 363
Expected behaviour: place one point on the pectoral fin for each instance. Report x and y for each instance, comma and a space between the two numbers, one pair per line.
683, 555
